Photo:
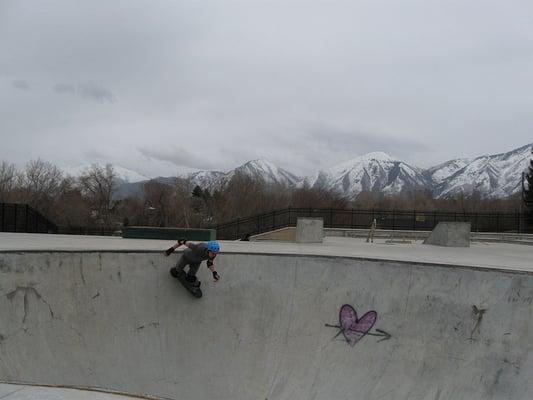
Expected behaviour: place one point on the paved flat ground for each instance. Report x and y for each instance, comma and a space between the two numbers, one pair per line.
503, 256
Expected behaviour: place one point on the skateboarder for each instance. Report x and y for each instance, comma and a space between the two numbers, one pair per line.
193, 256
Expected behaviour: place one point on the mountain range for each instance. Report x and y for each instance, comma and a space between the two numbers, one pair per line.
492, 176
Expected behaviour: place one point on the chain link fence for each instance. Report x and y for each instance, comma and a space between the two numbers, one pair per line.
22, 218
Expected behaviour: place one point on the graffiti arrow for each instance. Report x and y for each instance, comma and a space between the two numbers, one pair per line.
380, 333
384, 335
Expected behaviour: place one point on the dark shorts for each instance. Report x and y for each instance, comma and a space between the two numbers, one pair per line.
183, 262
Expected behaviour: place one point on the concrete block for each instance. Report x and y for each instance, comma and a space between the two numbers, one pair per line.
450, 234
309, 230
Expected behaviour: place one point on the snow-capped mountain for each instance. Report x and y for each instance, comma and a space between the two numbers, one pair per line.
261, 170
267, 172
495, 176
212, 180
371, 172
492, 176
441, 172
124, 175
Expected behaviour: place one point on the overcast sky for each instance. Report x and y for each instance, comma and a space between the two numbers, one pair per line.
158, 85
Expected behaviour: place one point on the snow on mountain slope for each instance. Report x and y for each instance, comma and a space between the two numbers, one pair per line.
443, 171
370, 172
125, 175
212, 180
491, 175
262, 170
266, 171
494, 176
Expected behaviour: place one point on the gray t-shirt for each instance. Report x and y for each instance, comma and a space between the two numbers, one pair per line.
196, 253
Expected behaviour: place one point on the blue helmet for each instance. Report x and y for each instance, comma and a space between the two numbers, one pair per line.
213, 246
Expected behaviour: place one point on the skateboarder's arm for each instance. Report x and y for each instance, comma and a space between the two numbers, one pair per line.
180, 242
183, 242
211, 266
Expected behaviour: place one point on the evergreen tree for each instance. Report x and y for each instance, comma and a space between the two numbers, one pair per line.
198, 192
528, 185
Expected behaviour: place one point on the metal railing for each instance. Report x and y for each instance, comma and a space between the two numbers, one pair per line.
362, 219
22, 218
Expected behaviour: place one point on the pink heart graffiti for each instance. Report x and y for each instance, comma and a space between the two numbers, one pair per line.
352, 328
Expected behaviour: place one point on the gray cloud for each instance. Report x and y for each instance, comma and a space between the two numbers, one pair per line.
64, 88
356, 141
90, 90
99, 155
20, 84
178, 156
305, 84
86, 90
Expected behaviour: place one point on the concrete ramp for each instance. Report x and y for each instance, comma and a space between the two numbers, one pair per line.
275, 327
450, 234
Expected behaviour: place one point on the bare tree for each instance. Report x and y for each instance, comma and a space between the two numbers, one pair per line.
98, 184
71, 209
8, 175
157, 202
244, 196
40, 185
183, 213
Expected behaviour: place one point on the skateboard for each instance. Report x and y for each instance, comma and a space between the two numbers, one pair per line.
194, 290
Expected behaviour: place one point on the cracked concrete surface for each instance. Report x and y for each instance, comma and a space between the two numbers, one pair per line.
26, 291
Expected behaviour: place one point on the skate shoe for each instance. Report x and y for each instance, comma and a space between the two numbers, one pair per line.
174, 272
192, 280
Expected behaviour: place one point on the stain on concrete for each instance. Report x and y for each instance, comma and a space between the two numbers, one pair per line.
4, 267
477, 315
26, 291
151, 324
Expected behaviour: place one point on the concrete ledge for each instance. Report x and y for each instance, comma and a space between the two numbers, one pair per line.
378, 233
309, 230
450, 234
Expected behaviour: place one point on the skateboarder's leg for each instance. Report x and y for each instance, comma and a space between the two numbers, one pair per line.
193, 269
180, 265
191, 274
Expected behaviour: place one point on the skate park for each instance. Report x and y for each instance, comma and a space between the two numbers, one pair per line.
103, 313
352, 180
